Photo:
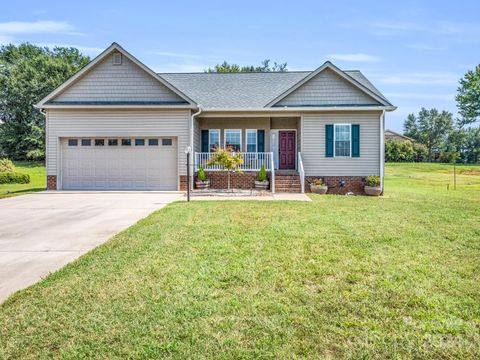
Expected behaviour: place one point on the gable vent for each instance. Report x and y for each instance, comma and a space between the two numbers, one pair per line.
117, 59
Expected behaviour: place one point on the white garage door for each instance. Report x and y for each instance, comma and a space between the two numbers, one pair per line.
119, 163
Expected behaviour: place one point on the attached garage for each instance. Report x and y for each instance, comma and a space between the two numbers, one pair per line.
126, 163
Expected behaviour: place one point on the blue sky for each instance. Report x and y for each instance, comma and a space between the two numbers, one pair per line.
413, 51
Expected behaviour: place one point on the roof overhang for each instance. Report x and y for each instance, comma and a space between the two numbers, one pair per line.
43, 104
329, 65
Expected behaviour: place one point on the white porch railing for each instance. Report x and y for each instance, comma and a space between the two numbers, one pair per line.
252, 161
301, 171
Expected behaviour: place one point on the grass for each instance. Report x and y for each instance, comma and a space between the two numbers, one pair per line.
36, 170
341, 277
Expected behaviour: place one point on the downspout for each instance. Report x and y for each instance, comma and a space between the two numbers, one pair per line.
382, 149
192, 122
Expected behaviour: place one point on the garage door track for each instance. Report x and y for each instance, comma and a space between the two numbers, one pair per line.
40, 233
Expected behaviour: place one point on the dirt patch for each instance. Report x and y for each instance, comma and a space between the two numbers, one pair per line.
477, 173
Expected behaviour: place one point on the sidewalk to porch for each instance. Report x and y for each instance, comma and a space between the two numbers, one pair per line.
245, 195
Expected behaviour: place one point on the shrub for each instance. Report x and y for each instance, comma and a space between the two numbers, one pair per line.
420, 152
35, 155
372, 180
201, 174
14, 178
449, 156
262, 175
6, 166
398, 151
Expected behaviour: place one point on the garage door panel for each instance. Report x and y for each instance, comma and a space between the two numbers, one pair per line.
119, 167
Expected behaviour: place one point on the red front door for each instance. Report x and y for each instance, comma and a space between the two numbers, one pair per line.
287, 149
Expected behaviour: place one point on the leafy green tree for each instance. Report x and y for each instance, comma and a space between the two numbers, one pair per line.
431, 128
27, 74
471, 146
468, 97
264, 67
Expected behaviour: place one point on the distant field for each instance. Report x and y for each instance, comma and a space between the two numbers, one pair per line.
349, 277
36, 171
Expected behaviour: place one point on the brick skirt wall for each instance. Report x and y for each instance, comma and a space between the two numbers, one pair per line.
339, 184
219, 180
51, 182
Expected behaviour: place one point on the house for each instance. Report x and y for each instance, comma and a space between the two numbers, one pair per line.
118, 125
391, 135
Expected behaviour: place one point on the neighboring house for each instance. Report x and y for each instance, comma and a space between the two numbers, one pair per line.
117, 125
394, 136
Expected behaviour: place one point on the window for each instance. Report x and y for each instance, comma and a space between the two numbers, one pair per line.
213, 140
72, 142
99, 142
167, 142
126, 142
252, 140
152, 142
233, 139
139, 142
86, 142
342, 139
112, 142
117, 59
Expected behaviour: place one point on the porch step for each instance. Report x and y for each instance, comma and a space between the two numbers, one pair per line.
289, 182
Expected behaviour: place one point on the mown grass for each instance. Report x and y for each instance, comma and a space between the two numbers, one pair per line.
36, 170
341, 277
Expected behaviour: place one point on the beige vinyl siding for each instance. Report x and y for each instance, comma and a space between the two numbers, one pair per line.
237, 123
327, 88
113, 83
196, 136
115, 123
313, 151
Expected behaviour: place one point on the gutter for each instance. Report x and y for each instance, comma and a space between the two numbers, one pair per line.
192, 122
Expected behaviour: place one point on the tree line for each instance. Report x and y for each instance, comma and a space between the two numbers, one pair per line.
437, 136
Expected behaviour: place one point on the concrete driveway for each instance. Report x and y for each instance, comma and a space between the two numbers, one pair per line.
40, 233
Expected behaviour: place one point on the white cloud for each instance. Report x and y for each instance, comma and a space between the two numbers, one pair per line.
181, 67
21, 27
421, 79
359, 57
426, 47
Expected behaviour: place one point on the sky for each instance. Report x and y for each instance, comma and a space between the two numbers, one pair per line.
415, 52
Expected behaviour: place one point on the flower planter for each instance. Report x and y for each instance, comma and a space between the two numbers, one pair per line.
262, 185
202, 184
373, 190
318, 189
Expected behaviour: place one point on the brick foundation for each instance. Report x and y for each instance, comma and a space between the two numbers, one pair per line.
183, 182
51, 182
352, 184
243, 180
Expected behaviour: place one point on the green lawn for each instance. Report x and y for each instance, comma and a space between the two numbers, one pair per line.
341, 277
36, 171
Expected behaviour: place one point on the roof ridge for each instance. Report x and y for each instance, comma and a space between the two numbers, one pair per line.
239, 72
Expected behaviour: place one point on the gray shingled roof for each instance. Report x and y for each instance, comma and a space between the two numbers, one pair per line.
243, 90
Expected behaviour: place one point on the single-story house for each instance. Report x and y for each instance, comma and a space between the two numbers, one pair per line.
118, 125
391, 135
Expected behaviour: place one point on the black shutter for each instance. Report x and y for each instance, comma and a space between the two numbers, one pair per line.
205, 141
329, 140
355, 140
261, 140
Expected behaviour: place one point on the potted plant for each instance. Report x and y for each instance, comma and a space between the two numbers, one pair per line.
202, 181
317, 186
262, 181
373, 185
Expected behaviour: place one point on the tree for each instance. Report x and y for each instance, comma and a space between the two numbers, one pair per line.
471, 146
227, 159
27, 74
468, 97
398, 151
264, 67
430, 128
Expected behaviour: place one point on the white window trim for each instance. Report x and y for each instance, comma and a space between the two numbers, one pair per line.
256, 139
225, 137
335, 138
219, 142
